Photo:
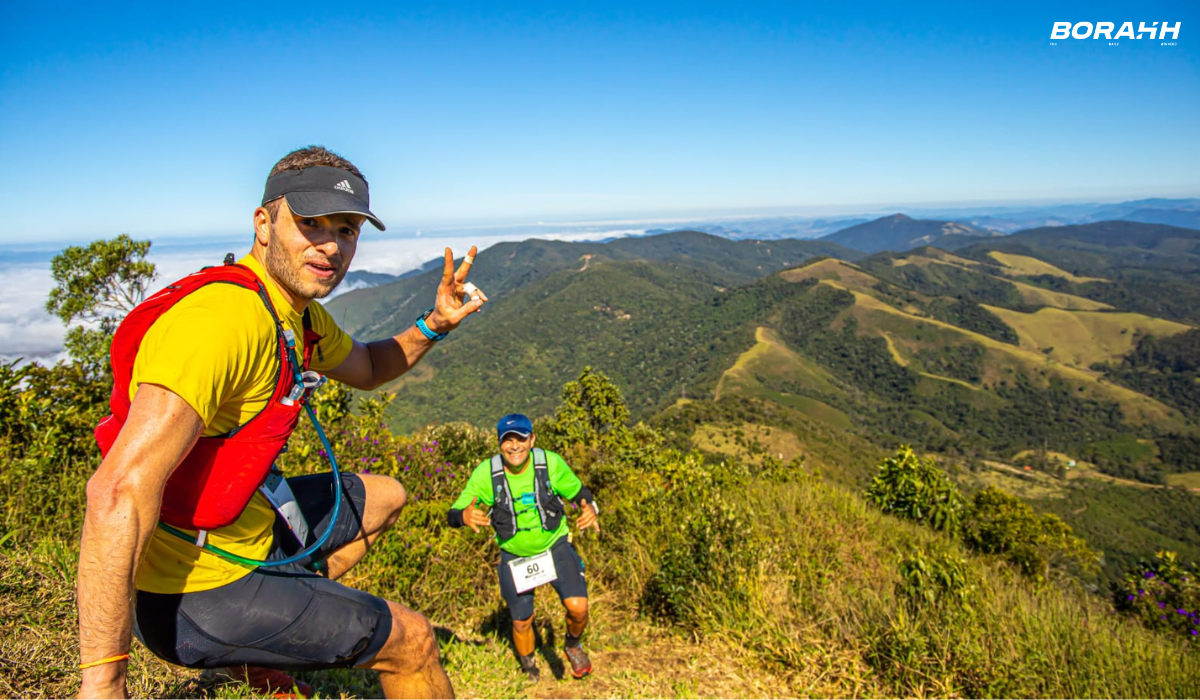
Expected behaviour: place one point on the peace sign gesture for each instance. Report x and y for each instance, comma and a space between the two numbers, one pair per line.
452, 304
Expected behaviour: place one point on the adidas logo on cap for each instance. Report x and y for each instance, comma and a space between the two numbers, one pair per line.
344, 186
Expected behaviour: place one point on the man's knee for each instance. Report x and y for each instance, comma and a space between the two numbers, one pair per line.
577, 608
387, 494
411, 645
523, 625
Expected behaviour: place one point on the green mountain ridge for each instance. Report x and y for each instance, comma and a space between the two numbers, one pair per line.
899, 233
976, 355
505, 267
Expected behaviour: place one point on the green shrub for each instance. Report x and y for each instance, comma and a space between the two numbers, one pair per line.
914, 488
932, 579
1163, 594
998, 523
711, 546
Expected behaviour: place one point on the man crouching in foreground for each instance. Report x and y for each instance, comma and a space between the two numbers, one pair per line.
188, 523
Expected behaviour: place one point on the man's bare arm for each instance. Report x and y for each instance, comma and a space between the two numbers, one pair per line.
123, 501
370, 365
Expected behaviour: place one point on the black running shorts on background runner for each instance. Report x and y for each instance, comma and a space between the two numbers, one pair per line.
284, 617
571, 582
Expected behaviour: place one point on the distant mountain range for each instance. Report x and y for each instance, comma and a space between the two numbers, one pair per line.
1174, 212
949, 229
899, 233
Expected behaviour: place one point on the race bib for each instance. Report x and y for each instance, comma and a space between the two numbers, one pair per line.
530, 572
277, 491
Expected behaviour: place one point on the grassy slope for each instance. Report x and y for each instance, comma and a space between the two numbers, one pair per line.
1109, 523
770, 363
1026, 266
911, 332
1028, 293
1082, 338
819, 615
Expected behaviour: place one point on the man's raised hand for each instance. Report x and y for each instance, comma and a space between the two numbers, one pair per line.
452, 304
475, 517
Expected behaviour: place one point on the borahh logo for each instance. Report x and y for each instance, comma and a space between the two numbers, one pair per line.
1104, 30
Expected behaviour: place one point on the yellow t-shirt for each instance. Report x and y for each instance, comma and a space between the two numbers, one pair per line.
217, 349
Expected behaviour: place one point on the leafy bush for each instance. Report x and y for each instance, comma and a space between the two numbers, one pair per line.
712, 545
998, 523
1163, 594
49, 412
933, 579
914, 488
462, 444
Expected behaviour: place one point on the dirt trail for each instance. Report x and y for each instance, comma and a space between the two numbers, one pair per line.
664, 667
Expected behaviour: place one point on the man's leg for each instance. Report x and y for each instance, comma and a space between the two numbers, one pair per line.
577, 618
408, 664
520, 608
371, 504
522, 631
292, 619
572, 589
385, 498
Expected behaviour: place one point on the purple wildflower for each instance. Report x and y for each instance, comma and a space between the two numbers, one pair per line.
1149, 574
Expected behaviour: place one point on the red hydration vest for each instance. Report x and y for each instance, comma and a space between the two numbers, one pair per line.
217, 478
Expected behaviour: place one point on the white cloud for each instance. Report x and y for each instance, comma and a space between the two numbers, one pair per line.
26, 330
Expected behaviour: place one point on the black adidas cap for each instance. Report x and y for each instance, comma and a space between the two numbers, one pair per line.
321, 191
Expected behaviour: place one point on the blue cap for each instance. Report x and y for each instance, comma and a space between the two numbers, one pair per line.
514, 423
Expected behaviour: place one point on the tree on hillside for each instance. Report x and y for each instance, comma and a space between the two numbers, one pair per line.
592, 410
95, 286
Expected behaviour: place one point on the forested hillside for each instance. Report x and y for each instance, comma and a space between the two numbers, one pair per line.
1027, 351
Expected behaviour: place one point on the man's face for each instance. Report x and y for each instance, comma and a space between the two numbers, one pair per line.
515, 449
308, 256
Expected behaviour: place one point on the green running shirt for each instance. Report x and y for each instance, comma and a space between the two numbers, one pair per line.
530, 538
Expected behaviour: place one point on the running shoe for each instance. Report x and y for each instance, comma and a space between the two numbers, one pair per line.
581, 665
529, 666
271, 681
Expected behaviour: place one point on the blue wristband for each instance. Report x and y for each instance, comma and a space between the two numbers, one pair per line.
426, 330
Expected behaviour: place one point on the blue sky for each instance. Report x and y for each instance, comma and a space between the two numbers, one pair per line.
162, 120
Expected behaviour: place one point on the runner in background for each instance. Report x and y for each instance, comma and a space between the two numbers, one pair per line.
524, 486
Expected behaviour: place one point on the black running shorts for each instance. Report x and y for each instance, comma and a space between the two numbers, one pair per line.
571, 582
281, 617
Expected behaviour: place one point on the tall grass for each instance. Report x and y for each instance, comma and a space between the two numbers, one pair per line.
795, 576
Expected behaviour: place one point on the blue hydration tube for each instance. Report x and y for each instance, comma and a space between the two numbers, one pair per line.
337, 480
